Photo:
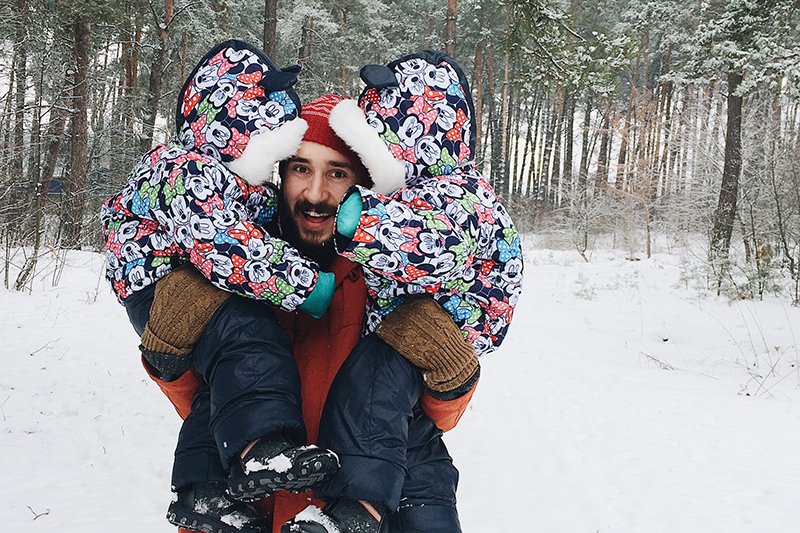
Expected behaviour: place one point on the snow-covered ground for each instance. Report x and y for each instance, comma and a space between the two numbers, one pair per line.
623, 401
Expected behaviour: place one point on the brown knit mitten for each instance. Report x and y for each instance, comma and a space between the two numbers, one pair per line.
184, 302
425, 334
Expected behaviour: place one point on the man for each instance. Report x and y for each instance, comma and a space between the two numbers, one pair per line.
365, 396
409, 452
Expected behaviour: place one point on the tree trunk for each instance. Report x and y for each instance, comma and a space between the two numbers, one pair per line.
502, 180
223, 16
489, 137
270, 26
100, 93
601, 178
684, 130
35, 152
537, 156
54, 136
20, 77
555, 174
74, 198
725, 214
184, 56
622, 157
306, 41
131, 43
343, 67
525, 112
525, 178
478, 89
450, 28
150, 111
569, 139
547, 153
583, 169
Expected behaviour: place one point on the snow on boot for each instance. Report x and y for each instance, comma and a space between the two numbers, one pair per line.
271, 464
342, 516
206, 507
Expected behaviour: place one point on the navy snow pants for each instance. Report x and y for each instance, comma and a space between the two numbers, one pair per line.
391, 452
253, 388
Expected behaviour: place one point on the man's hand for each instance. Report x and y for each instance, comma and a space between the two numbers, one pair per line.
426, 335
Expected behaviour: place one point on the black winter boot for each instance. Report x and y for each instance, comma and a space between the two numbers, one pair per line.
206, 507
342, 516
275, 463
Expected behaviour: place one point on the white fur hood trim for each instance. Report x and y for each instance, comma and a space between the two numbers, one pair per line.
266, 148
348, 122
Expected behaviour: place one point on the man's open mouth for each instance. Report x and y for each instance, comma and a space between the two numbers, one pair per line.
316, 215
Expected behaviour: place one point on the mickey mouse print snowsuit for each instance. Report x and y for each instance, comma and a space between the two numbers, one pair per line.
202, 199
445, 233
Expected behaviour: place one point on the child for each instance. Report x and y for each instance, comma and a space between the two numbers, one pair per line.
201, 201
444, 234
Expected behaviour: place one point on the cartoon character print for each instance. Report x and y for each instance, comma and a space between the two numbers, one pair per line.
181, 203
228, 100
425, 119
446, 233
428, 239
210, 230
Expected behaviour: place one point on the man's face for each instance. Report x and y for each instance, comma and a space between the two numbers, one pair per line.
313, 185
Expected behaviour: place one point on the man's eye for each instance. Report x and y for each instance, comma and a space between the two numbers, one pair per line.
302, 169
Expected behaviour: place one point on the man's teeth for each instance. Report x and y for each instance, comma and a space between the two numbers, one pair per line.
316, 215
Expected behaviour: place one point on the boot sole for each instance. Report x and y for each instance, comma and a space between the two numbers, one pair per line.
183, 518
302, 476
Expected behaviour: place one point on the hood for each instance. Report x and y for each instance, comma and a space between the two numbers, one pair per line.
239, 108
421, 107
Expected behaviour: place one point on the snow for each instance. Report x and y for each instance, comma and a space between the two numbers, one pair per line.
624, 400
314, 514
280, 463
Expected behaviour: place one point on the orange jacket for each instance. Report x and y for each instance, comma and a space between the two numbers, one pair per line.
320, 348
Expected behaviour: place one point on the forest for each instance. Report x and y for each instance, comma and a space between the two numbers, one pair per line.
599, 122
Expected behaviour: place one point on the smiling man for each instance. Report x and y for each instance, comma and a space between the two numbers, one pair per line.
315, 180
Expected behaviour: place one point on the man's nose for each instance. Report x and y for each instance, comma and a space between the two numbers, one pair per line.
316, 191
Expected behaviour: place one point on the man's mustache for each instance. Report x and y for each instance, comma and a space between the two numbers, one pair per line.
320, 208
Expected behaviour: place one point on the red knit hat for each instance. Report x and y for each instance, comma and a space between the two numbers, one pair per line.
317, 113
339, 124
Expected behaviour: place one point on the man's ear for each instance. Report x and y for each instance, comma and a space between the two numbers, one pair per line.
378, 76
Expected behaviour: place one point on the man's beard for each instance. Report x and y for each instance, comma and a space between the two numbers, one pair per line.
323, 252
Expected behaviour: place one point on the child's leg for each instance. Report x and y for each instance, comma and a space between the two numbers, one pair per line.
196, 456
366, 421
246, 359
255, 412
200, 481
198, 477
236, 346
428, 503
388, 448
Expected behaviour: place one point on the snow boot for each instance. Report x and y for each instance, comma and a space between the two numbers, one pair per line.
275, 463
206, 507
342, 516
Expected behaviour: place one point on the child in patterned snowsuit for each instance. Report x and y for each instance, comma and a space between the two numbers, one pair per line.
201, 200
442, 233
